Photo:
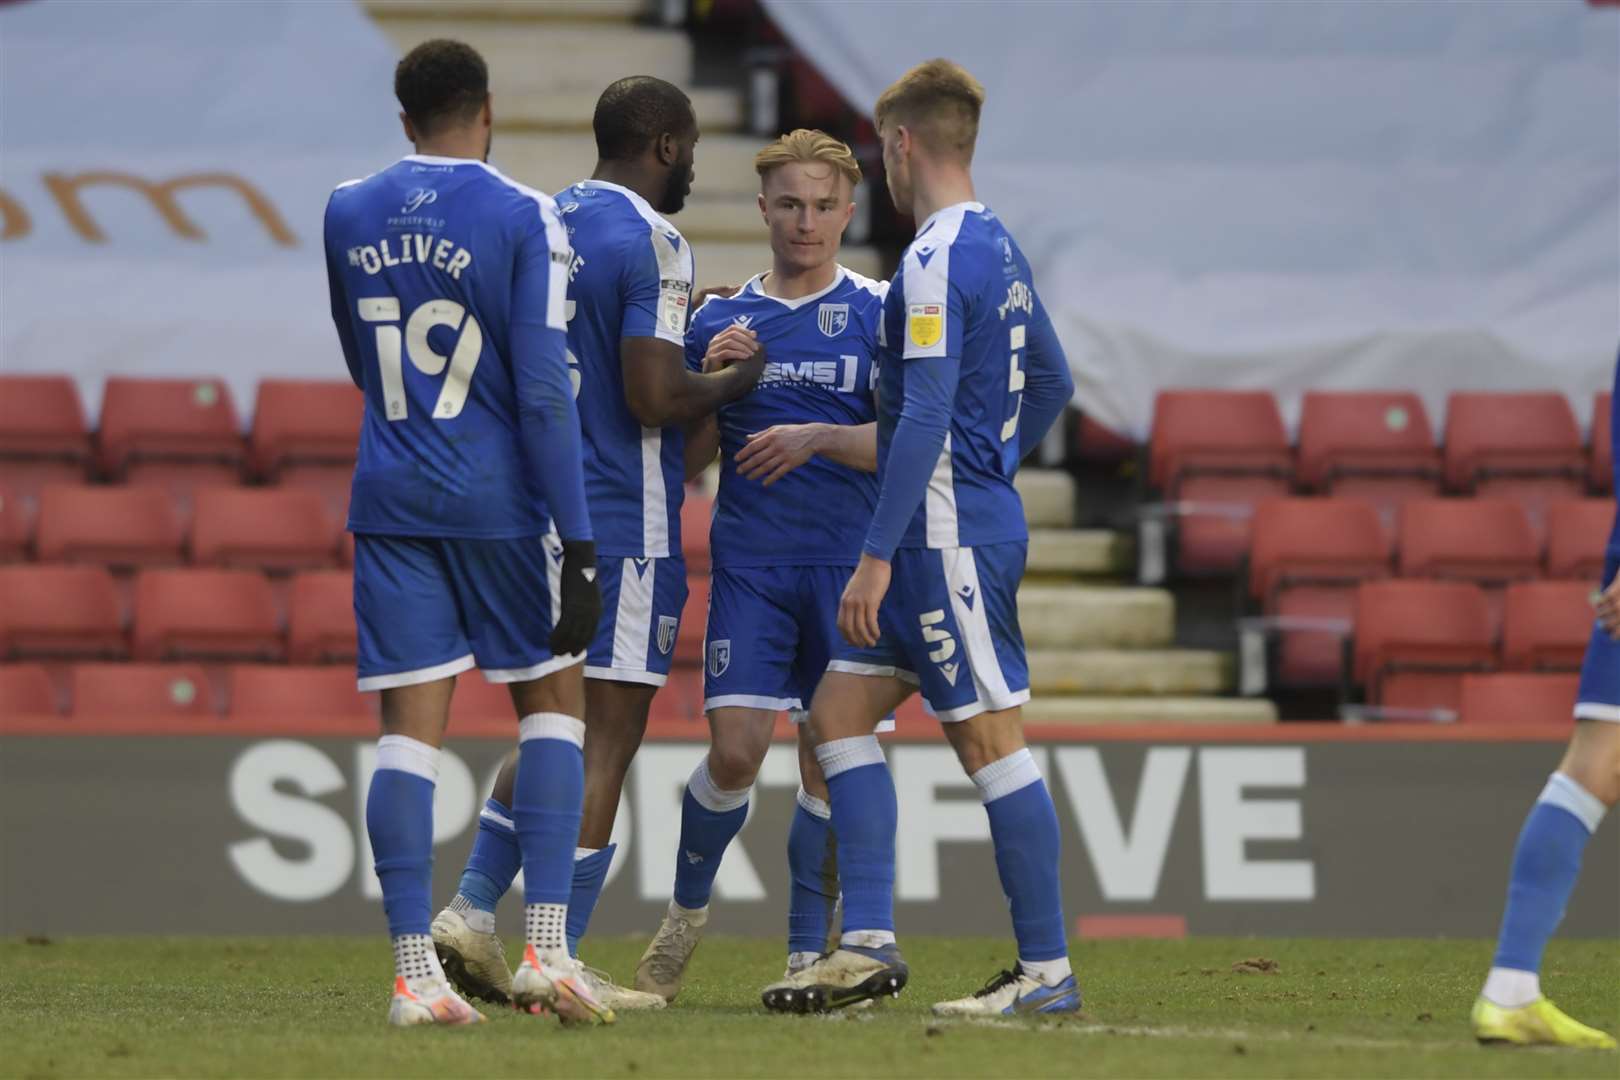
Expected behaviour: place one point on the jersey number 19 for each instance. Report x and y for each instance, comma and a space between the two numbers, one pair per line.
384, 310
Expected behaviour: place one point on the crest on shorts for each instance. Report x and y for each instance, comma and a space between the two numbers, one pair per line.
719, 657
832, 318
667, 625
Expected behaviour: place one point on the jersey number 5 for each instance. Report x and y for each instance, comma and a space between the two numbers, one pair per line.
1015, 383
384, 310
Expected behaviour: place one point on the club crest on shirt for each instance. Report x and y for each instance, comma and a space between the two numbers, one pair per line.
832, 318
925, 323
719, 657
667, 626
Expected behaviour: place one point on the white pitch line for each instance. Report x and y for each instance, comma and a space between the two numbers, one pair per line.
1234, 1034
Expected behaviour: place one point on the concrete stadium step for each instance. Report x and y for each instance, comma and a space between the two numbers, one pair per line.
719, 110
531, 59
1048, 496
620, 11
1095, 617
1130, 671
1080, 552
1082, 711
724, 163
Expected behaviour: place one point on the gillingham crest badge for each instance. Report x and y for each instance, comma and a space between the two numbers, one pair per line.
832, 318
719, 657
925, 323
667, 627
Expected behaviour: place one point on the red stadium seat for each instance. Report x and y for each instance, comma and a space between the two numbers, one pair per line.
1603, 442
1308, 557
16, 527
694, 622
41, 416
1415, 639
264, 691
205, 614
477, 700
696, 513
43, 436
305, 422
25, 689
1486, 541
1095, 443
60, 611
320, 618
173, 690
265, 528
1520, 446
181, 434
1546, 625
120, 527
331, 482
1217, 453
1376, 446
1518, 698
1578, 537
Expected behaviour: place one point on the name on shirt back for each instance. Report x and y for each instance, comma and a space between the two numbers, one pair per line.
406, 248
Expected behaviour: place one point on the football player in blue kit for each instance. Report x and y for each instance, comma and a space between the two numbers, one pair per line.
473, 546
1511, 1009
971, 376
629, 295
797, 490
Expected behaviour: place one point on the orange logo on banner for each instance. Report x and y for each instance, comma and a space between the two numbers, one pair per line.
65, 189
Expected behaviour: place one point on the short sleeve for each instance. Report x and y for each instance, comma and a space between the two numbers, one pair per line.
658, 286
934, 309
697, 343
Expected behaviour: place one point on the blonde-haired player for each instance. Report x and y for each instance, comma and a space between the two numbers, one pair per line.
796, 494
972, 376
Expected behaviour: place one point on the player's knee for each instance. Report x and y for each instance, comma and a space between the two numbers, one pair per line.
978, 744
733, 765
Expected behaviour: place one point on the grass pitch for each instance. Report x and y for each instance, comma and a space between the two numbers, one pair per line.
143, 1007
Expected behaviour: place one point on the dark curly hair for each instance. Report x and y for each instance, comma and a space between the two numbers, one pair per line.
441, 83
634, 111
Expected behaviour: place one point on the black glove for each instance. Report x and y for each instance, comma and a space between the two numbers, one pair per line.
581, 599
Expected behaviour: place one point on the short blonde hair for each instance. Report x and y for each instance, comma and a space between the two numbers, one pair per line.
806, 144
939, 102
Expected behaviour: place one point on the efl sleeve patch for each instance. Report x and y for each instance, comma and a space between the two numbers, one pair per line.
674, 298
925, 324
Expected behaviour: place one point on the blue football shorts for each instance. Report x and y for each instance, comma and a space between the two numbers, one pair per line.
949, 624
641, 614
1599, 694
428, 608
770, 633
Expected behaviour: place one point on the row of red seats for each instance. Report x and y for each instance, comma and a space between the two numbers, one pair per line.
1414, 640
240, 692
1310, 554
65, 612
267, 528
1214, 454
182, 434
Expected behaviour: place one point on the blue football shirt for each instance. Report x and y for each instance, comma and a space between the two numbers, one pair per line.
821, 367
964, 291
631, 276
436, 265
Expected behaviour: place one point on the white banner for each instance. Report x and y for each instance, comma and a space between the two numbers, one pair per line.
163, 172
1287, 196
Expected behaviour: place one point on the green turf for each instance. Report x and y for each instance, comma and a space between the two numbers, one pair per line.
141, 1007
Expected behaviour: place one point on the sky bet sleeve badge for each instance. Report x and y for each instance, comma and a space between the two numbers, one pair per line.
925, 323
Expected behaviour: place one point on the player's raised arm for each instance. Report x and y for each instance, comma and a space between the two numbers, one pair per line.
1048, 384
340, 306
658, 387
549, 422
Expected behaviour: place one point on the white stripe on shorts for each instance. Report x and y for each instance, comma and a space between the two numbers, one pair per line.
534, 671
882, 671
1596, 710
962, 572
654, 501
445, 670
632, 623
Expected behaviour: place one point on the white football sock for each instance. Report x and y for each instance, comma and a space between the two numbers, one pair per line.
415, 960
1047, 972
1511, 989
478, 920
798, 961
545, 926
867, 939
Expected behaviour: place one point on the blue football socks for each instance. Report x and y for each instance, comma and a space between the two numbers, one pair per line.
710, 817
590, 875
1024, 830
861, 794
495, 858
813, 868
399, 820
546, 805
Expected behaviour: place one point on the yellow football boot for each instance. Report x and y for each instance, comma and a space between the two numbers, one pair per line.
1539, 1023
